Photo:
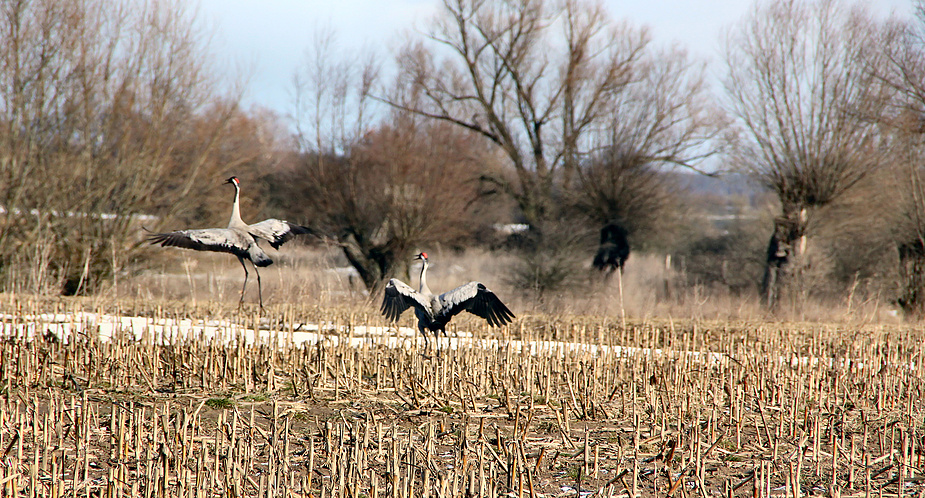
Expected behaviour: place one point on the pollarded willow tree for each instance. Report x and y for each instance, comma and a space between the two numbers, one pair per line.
798, 85
904, 72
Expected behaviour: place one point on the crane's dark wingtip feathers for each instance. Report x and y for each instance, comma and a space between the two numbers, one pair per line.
291, 230
501, 314
299, 229
398, 297
390, 308
158, 238
171, 239
387, 309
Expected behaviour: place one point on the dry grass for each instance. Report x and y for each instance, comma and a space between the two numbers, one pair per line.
779, 409
320, 277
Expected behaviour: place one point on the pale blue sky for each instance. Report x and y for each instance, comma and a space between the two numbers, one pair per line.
268, 39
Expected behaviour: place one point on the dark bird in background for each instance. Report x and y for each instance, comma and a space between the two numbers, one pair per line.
435, 311
614, 249
239, 238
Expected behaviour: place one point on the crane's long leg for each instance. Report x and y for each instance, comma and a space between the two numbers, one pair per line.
241, 301
437, 337
259, 290
426, 340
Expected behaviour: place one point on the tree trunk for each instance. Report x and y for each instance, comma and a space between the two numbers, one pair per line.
369, 271
375, 263
783, 270
912, 279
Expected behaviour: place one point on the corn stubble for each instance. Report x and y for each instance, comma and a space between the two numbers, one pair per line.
777, 410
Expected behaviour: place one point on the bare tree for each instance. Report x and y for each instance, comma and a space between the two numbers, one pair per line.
533, 77
107, 112
332, 101
904, 73
665, 118
910, 237
380, 183
617, 187
556, 87
798, 86
407, 183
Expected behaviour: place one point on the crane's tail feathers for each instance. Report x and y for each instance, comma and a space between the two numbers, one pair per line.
259, 257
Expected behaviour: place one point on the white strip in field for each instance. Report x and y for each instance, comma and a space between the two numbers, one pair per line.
167, 330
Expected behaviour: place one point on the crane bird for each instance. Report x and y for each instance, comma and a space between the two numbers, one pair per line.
435, 311
239, 238
614, 249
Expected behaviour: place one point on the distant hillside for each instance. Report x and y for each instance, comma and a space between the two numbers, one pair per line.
729, 184
725, 200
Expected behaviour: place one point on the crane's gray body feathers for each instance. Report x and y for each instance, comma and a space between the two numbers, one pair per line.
435, 311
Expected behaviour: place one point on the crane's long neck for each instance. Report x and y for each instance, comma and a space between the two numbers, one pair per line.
424, 288
236, 208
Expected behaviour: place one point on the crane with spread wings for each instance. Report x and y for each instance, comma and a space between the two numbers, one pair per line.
238, 238
435, 311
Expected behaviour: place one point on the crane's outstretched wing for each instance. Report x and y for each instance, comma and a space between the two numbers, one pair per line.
207, 239
399, 296
475, 298
277, 232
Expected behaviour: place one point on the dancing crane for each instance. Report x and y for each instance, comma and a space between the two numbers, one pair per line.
435, 311
239, 238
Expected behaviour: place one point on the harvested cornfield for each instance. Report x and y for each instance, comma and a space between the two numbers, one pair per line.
144, 401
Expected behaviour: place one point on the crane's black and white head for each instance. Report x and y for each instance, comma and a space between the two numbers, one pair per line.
234, 181
422, 256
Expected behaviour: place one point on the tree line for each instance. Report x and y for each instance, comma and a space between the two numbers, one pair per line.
547, 113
